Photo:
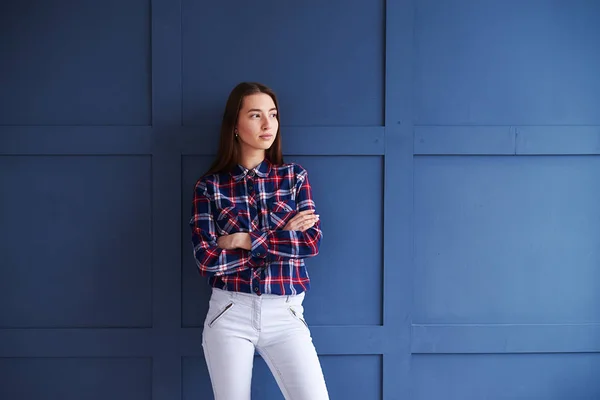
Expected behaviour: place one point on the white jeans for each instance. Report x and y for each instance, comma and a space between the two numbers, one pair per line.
237, 324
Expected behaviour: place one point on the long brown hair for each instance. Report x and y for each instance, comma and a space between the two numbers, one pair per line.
229, 148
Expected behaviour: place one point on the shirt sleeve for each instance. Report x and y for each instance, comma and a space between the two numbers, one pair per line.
210, 258
277, 245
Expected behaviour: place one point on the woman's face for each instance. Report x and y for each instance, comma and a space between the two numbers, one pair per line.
257, 122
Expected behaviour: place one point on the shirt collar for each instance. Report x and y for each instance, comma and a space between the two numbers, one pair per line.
263, 169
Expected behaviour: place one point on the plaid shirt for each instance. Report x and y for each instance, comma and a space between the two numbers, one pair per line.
260, 202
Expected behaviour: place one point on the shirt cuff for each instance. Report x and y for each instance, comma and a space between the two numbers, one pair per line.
260, 248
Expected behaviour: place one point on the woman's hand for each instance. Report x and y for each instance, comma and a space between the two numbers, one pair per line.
302, 221
239, 240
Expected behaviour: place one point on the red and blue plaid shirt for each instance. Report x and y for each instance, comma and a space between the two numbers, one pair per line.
258, 201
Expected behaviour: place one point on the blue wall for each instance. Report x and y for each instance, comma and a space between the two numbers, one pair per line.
466, 132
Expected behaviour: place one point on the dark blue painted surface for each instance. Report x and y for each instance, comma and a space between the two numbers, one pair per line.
74, 227
507, 62
75, 378
466, 131
326, 59
86, 63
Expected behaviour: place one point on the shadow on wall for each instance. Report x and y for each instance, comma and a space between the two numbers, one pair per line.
195, 289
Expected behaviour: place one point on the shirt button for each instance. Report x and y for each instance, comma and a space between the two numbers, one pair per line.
255, 289
250, 187
259, 254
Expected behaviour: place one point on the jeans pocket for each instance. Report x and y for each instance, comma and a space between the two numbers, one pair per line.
220, 314
298, 316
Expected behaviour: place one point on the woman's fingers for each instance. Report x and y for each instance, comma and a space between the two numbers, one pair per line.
306, 218
302, 221
308, 222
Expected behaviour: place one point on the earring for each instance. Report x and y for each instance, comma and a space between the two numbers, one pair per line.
236, 133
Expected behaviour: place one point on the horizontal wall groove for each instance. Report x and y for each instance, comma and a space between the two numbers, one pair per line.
505, 338
506, 140
42, 140
141, 342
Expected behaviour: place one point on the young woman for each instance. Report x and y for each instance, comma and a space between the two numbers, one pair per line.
253, 225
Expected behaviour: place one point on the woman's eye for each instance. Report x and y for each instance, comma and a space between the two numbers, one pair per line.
274, 115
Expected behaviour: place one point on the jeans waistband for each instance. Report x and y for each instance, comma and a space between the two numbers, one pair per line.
264, 297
